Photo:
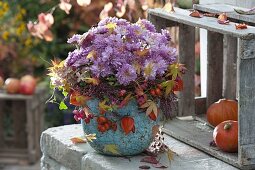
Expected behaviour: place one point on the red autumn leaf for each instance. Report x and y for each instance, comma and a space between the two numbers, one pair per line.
150, 159
178, 85
159, 165
241, 26
223, 19
77, 99
196, 14
127, 124
152, 116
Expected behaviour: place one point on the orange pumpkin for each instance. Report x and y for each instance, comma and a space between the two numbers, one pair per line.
222, 110
225, 135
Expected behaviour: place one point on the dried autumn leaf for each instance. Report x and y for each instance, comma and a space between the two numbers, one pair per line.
223, 19
150, 159
151, 107
103, 107
90, 137
142, 53
127, 124
241, 26
76, 140
170, 154
168, 7
159, 165
112, 148
196, 14
94, 81
125, 101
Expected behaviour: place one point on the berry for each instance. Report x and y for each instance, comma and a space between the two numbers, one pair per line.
101, 128
107, 126
87, 120
91, 116
101, 120
152, 92
158, 92
114, 126
159, 86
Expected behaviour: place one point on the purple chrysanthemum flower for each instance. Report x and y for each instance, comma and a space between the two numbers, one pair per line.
74, 38
147, 25
126, 74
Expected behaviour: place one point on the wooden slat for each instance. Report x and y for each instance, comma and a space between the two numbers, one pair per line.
214, 67
1, 123
246, 119
186, 103
30, 131
229, 67
19, 123
198, 135
228, 9
200, 105
209, 23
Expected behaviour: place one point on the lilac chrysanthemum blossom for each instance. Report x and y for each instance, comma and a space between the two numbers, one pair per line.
147, 25
74, 39
126, 74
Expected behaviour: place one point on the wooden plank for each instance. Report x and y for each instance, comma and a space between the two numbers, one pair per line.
229, 67
30, 132
200, 105
214, 67
208, 23
228, 9
18, 112
246, 109
186, 103
1, 123
198, 135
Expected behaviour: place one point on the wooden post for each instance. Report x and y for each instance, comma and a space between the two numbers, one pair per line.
30, 131
214, 67
229, 69
186, 103
1, 124
246, 109
19, 119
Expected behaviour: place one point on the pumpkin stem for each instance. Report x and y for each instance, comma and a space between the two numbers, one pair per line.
227, 126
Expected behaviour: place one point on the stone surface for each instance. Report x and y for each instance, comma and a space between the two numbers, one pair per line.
60, 154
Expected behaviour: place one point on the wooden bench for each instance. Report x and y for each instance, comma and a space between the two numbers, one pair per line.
226, 46
21, 124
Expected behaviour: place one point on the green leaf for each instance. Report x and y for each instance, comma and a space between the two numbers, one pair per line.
64, 93
62, 106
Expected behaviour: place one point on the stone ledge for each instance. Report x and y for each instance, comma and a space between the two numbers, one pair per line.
60, 154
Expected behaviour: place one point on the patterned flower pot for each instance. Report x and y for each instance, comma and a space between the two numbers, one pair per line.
117, 143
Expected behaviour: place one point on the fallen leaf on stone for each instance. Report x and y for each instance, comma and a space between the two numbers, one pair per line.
223, 19
112, 148
150, 159
159, 165
91, 137
241, 26
144, 167
168, 7
170, 155
196, 14
76, 140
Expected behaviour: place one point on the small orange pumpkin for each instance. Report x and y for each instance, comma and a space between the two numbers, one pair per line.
222, 110
225, 135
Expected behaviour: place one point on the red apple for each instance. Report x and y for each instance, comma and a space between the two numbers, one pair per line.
12, 85
27, 85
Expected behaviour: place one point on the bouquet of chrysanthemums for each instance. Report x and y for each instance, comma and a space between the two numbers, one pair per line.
115, 62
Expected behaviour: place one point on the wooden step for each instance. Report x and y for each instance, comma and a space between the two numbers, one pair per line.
198, 134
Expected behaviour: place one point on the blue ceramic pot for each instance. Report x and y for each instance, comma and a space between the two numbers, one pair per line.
116, 143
